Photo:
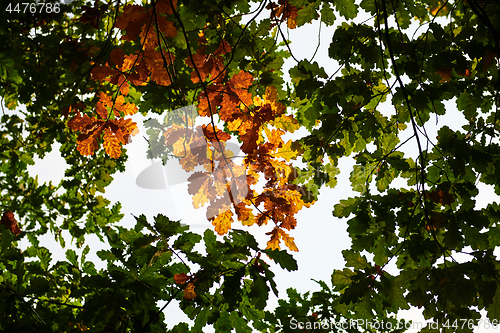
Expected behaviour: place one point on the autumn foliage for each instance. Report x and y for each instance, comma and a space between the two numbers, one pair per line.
258, 122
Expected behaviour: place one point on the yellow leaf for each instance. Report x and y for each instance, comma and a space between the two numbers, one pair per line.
286, 151
287, 123
437, 10
188, 292
200, 199
111, 144
289, 242
223, 222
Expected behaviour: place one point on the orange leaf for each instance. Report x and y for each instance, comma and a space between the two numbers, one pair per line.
129, 62
223, 222
105, 100
181, 278
276, 234
117, 56
274, 242
126, 125
289, 242
215, 99
241, 80
111, 144
101, 110
99, 73
155, 64
10, 222
127, 109
213, 136
87, 146
78, 123
188, 292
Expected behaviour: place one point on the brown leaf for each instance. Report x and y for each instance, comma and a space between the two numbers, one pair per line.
445, 74
181, 278
10, 222
440, 196
216, 135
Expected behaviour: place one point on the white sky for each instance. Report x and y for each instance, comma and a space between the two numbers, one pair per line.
319, 236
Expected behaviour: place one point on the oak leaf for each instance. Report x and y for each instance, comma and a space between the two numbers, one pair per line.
117, 56
445, 74
250, 139
166, 27
181, 278
128, 62
101, 110
111, 144
10, 222
223, 222
155, 64
89, 145
94, 14
286, 151
216, 135
166, 6
188, 292
126, 108
223, 48
244, 214
131, 20
276, 235
208, 106
440, 196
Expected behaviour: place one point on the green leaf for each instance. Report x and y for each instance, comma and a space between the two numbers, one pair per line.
283, 258
168, 228
144, 241
346, 8
259, 292
239, 324
327, 14
72, 257
355, 260
45, 257
341, 278
494, 308
223, 324
187, 241
306, 14
395, 297
180, 328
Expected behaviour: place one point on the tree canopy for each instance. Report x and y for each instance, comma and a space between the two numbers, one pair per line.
74, 73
